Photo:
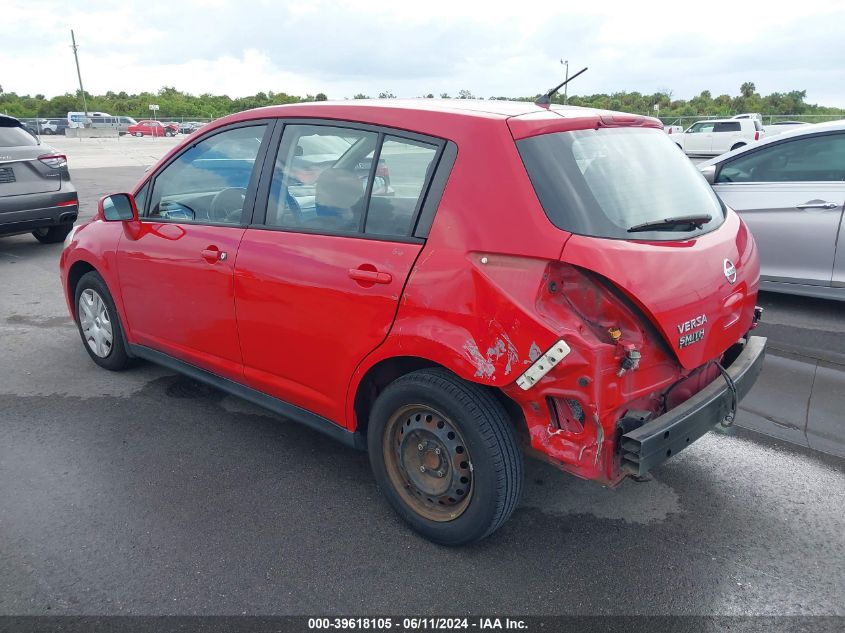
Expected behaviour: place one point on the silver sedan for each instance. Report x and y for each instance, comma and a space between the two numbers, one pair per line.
790, 190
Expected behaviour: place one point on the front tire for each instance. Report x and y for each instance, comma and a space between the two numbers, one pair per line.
445, 456
138, 134
99, 323
52, 234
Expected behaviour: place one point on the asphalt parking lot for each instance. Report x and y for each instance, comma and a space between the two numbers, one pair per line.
145, 493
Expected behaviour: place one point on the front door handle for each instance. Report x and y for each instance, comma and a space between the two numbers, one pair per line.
370, 276
212, 255
821, 204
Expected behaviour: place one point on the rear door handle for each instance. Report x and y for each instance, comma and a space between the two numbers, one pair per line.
212, 255
821, 204
370, 276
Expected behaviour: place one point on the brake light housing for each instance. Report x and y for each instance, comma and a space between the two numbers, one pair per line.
54, 161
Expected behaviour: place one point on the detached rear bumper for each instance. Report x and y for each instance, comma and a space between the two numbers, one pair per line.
657, 440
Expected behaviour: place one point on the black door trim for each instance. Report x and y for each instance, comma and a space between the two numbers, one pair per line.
312, 420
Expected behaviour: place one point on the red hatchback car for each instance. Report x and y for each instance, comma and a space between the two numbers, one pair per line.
152, 128
554, 280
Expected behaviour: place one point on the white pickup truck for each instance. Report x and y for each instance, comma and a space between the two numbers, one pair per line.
717, 136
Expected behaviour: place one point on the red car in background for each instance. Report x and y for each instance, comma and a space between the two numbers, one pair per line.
153, 128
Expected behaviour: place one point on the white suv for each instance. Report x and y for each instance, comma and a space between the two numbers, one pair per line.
718, 136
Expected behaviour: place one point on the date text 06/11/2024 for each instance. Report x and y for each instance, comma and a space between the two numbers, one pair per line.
416, 624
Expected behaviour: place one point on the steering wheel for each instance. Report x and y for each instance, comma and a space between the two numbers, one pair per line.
227, 205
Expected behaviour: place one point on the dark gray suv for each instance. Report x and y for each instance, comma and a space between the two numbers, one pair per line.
36, 194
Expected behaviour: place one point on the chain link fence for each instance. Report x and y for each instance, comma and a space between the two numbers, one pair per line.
768, 119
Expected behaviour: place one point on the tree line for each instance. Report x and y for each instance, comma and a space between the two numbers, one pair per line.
174, 103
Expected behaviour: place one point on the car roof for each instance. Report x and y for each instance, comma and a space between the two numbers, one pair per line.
467, 107
447, 118
481, 108
798, 132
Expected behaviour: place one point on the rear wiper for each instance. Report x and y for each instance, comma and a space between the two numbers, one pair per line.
696, 221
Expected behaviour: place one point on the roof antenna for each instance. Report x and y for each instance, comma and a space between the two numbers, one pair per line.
546, 99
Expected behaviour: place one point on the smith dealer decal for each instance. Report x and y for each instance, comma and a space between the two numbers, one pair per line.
692, 331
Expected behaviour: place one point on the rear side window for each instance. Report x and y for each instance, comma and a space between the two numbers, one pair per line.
403, 170
15, 137
730, 126
809, 159
321, 181
604, 182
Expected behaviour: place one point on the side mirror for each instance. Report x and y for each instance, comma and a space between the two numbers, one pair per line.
118, 207
709, 173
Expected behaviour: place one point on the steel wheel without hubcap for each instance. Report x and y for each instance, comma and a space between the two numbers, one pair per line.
428, 463
95, 323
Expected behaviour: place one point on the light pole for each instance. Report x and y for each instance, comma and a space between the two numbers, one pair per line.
79, 75
565, 62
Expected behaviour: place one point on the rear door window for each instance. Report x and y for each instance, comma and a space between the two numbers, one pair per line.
404, 168
704, 126
320, 179
809, 159
728, 126
16, 137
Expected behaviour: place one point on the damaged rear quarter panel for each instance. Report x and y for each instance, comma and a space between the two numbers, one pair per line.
477, 319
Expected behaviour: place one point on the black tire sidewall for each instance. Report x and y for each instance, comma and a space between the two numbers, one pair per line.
117, 358
54, 234
480, 516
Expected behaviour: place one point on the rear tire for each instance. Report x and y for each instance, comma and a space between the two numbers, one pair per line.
737, 146
138, 134
99, 323
445, 456
52, 234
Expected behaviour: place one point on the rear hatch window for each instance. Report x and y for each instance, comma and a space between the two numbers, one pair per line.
604, 182
15, 137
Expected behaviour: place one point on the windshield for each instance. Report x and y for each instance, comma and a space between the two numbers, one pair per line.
603, 182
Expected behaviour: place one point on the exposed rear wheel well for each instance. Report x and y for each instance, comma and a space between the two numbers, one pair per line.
74, 275
385, 372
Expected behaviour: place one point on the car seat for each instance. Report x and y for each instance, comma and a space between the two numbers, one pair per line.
338, 196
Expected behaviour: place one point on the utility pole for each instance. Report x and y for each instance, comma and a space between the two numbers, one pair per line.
565, 62
79, 74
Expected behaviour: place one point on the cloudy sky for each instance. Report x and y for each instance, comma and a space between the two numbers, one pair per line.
410, 48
